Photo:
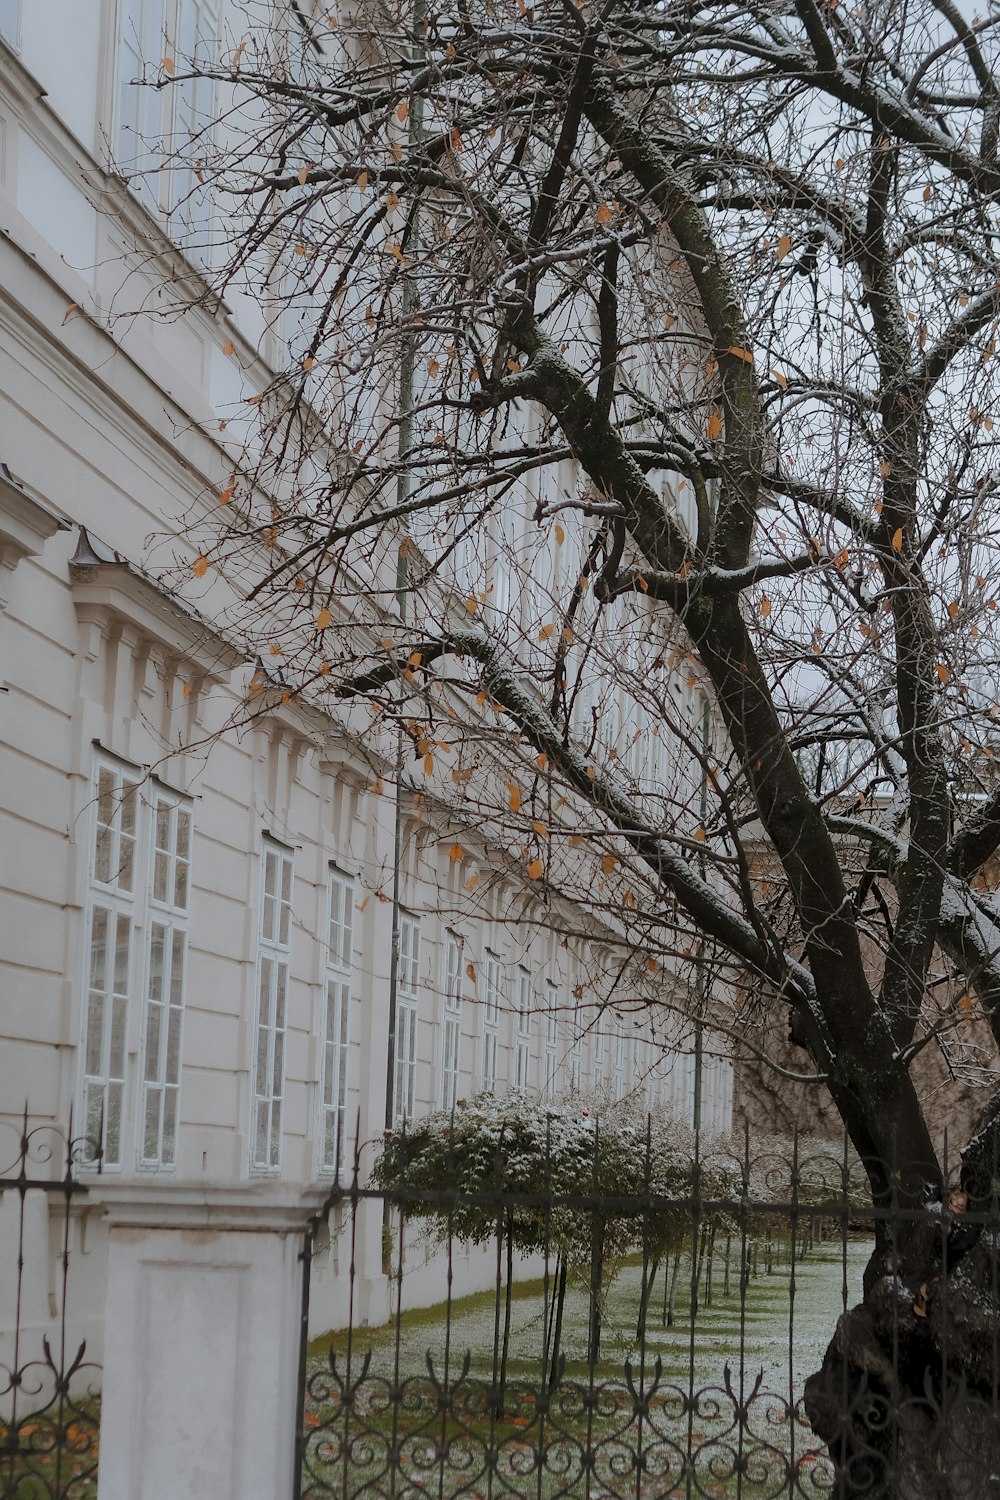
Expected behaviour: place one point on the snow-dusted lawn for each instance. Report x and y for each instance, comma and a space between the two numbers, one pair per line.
630, 1429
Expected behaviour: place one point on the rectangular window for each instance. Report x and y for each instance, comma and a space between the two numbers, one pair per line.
109, 967
551, 1036
273, 960
336, 1020
407, 1001
155, 122
9, 19
619, 1077
491, 1020
169, 895
576, 1054
600, 1050
522, 1070
451, 1028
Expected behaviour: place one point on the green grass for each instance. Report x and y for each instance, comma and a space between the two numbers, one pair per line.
395, 1433
51, 1457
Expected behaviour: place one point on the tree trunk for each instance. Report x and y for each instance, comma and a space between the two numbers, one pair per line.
557, 1330
645, 1298
906, 1398
507, 1307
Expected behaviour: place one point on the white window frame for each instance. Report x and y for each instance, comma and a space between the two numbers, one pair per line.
522, 1040
335, 1033
404, 1094
161, 1043
551, 1037
113, 901
273, 974
492, 998
451, 1020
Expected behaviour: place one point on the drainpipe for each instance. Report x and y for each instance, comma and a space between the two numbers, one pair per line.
407, 362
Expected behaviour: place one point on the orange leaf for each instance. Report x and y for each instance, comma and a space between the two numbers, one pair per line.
168, 65
472, 882
953, 608
651, 965
608, 863
535, 869
743, 354
402, 111
304, 171
765, 606
942, 671
781, 379
515, 797
428, 764
227, 494
69, 312
455, 853
897, 539
605, 215
200, 566
323, 619
560, 535
470, 970
784, 245
471, 605
699, 835
714, 428
228, 347
540, 829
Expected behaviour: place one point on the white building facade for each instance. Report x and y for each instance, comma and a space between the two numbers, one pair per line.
198, 907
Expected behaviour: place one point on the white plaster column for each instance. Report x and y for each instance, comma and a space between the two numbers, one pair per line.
201, 1340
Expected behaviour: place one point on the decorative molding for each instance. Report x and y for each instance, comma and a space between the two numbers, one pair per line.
25, 526
255, 1207
111, 590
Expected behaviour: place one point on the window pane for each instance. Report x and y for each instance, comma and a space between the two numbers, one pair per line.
162, 825
177, 967
160, 866
151, 1130
95, 1035
157, 953
282, 982
119, 1019
113, 1125
181, 885
266, 969
99, 948
168, 1150
154, 1023
173, 1069
124, 929
183, 834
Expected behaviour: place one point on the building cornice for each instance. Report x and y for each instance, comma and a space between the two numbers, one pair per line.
111, 591
25, 526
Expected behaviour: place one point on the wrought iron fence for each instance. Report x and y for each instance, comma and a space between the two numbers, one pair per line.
678, 1325
49, 1415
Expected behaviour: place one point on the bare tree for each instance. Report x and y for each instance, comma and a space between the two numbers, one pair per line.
637, 391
